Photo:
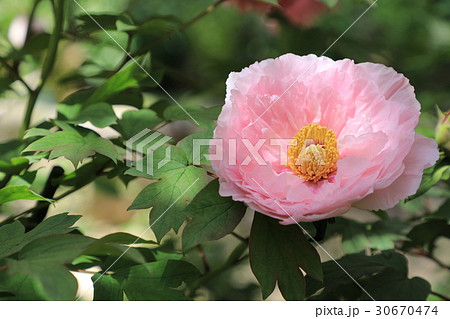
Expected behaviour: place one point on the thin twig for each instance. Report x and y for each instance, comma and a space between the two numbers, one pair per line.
203, 256
233, 260
48, 64
423, 253
14, 74
239, 237
172, 33
440, 295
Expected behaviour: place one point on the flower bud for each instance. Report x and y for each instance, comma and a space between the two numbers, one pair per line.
443, 130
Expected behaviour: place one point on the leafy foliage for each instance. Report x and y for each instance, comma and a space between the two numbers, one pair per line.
276, 255
212, 216
169, 84
381, 277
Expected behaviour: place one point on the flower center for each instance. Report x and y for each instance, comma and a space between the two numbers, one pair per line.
313, 153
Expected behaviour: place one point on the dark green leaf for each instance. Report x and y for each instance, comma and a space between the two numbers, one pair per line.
166, 159
358, 236
99, 114
203, 116
126, 78
13, 237
169, 197
213, 216
133, 122
383, 276
106, 287
44, 260
427, 233
152, 281
277, 253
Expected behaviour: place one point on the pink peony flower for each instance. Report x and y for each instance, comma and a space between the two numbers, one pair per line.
324, 135
300, 12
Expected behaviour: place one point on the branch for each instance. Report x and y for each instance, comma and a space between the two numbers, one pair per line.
423, 253
14, 73
233, 260
48, 63
439, 295
203, 256
172, 33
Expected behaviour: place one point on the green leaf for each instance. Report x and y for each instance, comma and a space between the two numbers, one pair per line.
107, 287
427, 233
34, 131
213, 216
74, 147
44, 260
358, 236
125, 239
277, 253
431, 176
272, 2
384, 276
13, 237
11, 193
88, 25
99, 114
329, 3
127, 77
22, 287
389, 285
198, 142
172, 158
203, 116
133, 122
10, 160
152, 281
169, 197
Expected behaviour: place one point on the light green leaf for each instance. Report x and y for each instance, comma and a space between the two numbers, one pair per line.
272, 2
198, 142
166, 159
11, 193
74, 146
34, 131
277, 253
213, 216
169, 197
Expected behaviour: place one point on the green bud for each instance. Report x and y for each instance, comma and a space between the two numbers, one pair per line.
443, 130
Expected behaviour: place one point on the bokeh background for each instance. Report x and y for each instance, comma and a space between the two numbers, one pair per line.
413, 37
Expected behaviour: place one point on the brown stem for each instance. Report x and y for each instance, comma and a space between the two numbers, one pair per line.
440, 295
203, 256
3, 267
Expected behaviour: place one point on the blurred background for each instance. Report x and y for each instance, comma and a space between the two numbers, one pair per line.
413, 37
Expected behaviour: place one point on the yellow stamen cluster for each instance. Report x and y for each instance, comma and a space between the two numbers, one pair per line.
313, 153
